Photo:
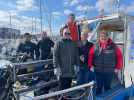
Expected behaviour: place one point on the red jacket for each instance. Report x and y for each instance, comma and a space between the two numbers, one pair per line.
119, 56
74, 32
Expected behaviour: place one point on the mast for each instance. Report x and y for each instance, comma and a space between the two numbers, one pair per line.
35, 27
50, 23
40, 15
101, 8
32, 24
10, 25
10, 19
86, 12
49, 16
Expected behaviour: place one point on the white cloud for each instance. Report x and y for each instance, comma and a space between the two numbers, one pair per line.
130, 8
66, 3
13, 12
4, 19
23, 23
74, 2
122, 8
11, 5
26, 5
67, 11
127, 8
84, 8
106, 5
56, 13
71, 2
80, 17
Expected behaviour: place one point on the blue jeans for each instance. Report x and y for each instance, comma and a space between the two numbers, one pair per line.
103, 80
84, 75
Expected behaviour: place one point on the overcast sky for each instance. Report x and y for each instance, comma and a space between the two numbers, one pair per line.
25, 14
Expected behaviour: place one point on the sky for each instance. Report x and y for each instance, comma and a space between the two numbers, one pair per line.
25, 14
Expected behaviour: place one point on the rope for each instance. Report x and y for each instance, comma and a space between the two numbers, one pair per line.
75, 98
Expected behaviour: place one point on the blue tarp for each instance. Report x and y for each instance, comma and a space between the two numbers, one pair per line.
117, 93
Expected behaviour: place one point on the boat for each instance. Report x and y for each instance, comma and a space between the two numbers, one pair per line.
121, 30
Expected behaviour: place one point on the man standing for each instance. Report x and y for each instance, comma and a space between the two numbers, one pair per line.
65, 57
44, 46
84, 75
106, 59
28, 48
73, 27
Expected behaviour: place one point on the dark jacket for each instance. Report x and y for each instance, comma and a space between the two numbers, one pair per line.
84, 50
44, 47
65, 57
105, 59
29, 48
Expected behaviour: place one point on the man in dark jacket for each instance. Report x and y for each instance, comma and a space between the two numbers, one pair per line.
28, 48
84, 75
44, 46
65, 57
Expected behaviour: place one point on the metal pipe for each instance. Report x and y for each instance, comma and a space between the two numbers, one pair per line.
26, 64
125, 46
34, 73
64, 91
45, 84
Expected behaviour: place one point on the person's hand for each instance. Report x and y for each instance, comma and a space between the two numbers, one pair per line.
57, 72
116, 71
92, 69
82, 58
118, 75
28, 55
46, 66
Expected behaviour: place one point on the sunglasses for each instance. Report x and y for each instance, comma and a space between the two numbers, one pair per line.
66, 33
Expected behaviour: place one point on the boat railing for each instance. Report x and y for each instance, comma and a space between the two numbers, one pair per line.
88, 87
90, 95
35, 64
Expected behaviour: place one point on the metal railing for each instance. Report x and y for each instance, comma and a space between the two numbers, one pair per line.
23, 90
53, 94
17, 92
35, 64
26, 65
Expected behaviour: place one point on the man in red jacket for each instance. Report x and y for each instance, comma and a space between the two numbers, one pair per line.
73, 27
105, 59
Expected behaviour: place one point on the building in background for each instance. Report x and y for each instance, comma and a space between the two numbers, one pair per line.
9, 33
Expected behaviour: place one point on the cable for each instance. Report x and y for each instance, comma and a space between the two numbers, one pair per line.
75, 98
